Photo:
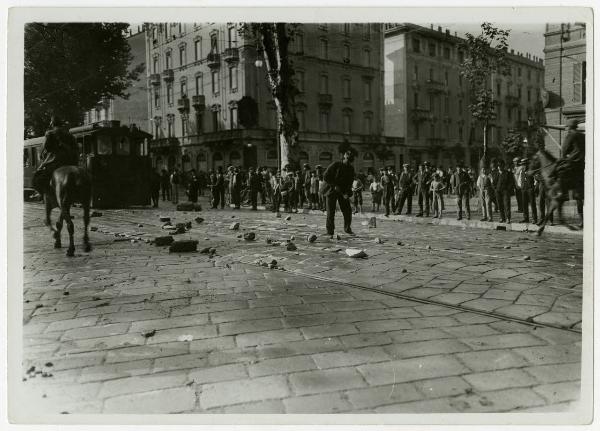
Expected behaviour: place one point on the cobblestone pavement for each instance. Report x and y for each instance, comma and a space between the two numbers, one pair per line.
450, 321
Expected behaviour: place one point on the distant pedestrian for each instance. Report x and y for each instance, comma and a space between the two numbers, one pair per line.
461, 184
339, 177
503, 190
387, 182
253, 187
193, 187
484, 184
376, 193
175, 181
527, 193
437, 190
165, 185
357, 189
155, 181
422, 182
405, 184
314, 191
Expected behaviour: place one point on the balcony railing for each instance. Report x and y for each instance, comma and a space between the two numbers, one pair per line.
155, 79
198, 102
435, 86
167, 75
231, 55
163, 142
325, 99
213, 60
183, 104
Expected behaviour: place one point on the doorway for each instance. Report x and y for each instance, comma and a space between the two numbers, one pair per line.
250, 156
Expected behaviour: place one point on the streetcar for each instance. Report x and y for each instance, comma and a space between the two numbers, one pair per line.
115, 157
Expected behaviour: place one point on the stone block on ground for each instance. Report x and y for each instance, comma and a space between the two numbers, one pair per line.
185, 206
96, 214
199, 220
288, 218
356, 253
291, 246
164, 219
183, 246
234, 226
197, 207
249, 236
311, 237
163, 240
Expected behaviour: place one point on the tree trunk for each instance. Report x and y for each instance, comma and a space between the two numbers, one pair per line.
483, 163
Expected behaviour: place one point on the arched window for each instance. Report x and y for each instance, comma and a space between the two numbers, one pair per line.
325, 157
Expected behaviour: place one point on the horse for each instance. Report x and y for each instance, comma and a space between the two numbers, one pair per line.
68, 185
545, 163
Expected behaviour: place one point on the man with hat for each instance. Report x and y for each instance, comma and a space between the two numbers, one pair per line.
387, 182
461, 183
503, 188
339, 177
516, 182
305, 190
405, 189
527, 192
60, 149
570, 167
422, 180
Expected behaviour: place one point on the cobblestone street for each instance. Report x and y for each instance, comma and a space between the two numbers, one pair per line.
435, 319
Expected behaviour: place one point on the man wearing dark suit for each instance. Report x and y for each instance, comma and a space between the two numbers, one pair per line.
387, 182
422, 181
405, 183
503, 188
461, 183
339, 177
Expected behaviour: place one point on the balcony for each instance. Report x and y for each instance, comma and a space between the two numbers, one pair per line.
183, 104
231, 55
325, 99
155, 79
511, 100
213, 60
420, 114
434, 86
435, 142
198, 102
168, 75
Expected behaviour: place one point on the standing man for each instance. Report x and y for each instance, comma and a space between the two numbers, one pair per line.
175, 179
254, 184
494, 176
165, 186
504, 187
422, 181
236, 188
387, 182
155, 188
461, 183
528, 193
405, 188
339, 177
305, 185
517, 183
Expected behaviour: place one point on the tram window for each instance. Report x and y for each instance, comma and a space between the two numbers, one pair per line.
123, 146
87, 147
104, 145
25, 157
34, 159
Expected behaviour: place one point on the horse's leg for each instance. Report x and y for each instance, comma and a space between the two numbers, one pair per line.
546, 217
580, 212
58, 230
86, 223
66, 215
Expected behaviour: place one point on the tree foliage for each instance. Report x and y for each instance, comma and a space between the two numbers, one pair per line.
512, 144
70, 67
273, 40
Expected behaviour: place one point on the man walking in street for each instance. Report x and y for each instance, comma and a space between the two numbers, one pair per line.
405, 183
305, 185
503, 188
422, 181
518, 194
339, 177
484, 184
387, 182
461, 184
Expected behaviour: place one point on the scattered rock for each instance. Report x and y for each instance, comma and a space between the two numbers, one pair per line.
273, 262
278, 215
183, 246
240, 236
185, 206
372, 222
399, 243
506, 247
199, 220
311, 237
268, 240
338, 237
164, 219
500, 227
356, 253
120, 239
428, 247
49, 364
197, 207
288, 218
65, 293
140, 225
205, 250
404, 270
249, 236
526, 257
133, 241
93, 228
163, 240
291, 246
96, 214
378, 241
212, 251
149, 334
234, 226
188, 225
185, 338
292, 238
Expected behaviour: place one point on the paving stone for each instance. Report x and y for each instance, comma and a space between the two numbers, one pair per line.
96, 331
557, 336
509, 295
78, 360
471, 288
442, 387
268, 337
510, 327
425, 348
163, 401
102, 343
350, 357
281, 366
501, 341
137, 384
169, 323
146, 352
543, 355
364, 340
180, 362
430, 310
412, 369
209, 308
432, 322
565, 320
218, 374
489, 360
328, 330
424, 334
297, 310
471, 330
522, 312
114, 371
486, 304
317, 404
222, 357
382, 395
309, 320
261, 407
545, 301
354, 305
178, 334
558, 392
306, 347
555, 373
470, 318
312, 382
242, 327
499, 379
209, 344
453, 298
243, 391
67, 324
501, 273
248, 314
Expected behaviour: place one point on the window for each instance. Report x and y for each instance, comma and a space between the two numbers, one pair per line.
346, 53
431, 103
431, 131
529, 74
215, 121
366, 31
183, 127
325, 157
272, 155
324, 121
432, 49
215, 81
323, 26
368, 157
301, 120
367, 86
168, 59
508, 113
233, 79
169, 94
431, 75
367, 124
300, 43
214, 47
234, 157
460, 107
198, 49
156, 99
181, 28
217, 157
183, 88
324, 84
324, 49
416, 45
417, 126
347, 121
233, 118
446, 77
461, 56
447, 105
460, 80
528, 95
182, 59
416, 99
498, 89
199, 122
300, 80
346, 28
518, 71
170, 129
447, 53
155, 64
416, 73
156, 130
346, 88
460, 133
579, 80
232, 37
367, 57
199, 85
519, 93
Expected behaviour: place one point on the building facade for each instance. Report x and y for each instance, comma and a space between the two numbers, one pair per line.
427, 100
209, 103
565, 82
132, 111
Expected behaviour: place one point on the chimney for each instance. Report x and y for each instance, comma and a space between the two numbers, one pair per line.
447, 32
439, 28
455, 34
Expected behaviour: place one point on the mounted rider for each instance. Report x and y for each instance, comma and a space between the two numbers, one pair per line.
569, 168
60, 149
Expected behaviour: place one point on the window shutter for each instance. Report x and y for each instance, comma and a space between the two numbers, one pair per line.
576, 82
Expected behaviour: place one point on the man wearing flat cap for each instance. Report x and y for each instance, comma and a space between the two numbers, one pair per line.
405, 186
527, 192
